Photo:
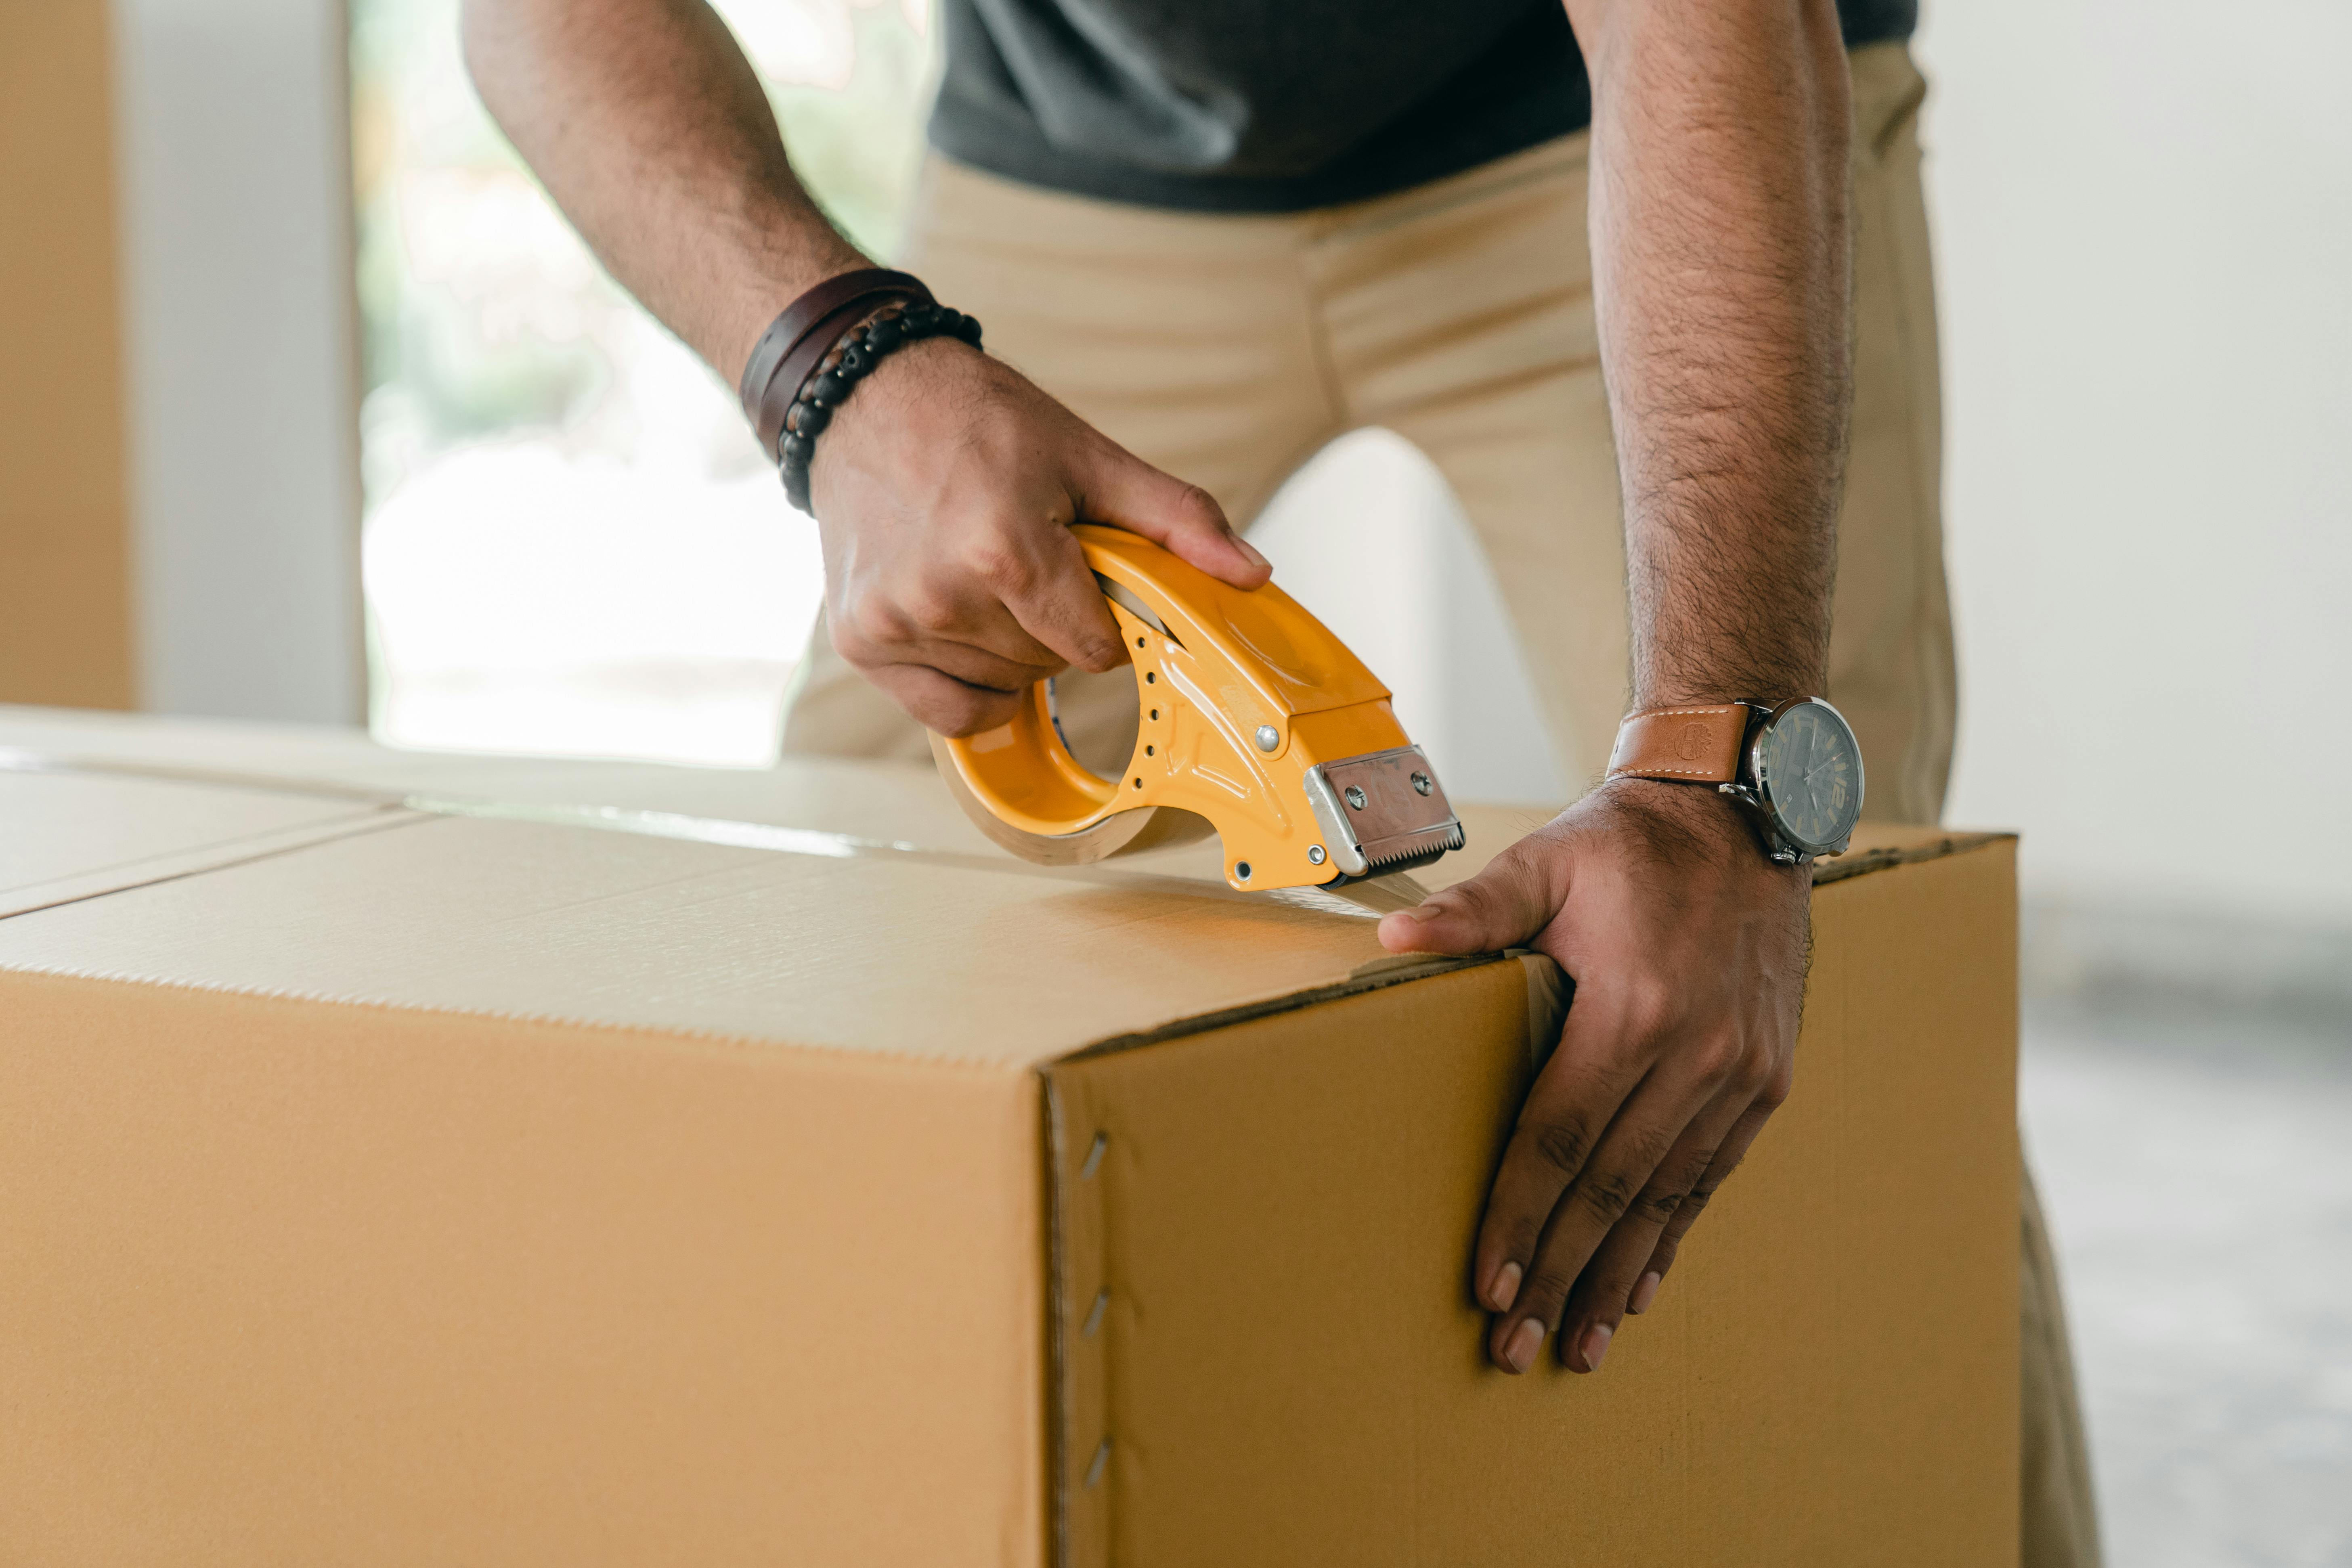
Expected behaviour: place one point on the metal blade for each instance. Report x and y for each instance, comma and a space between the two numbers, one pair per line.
1383, 812
1127, 599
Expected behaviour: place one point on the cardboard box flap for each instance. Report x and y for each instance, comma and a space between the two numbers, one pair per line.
889, 955
876, 801
66, 836
880, 804
783, 934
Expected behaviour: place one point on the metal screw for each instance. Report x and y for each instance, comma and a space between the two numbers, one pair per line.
1421, 783
1314, 855
1268, 736
1355, 797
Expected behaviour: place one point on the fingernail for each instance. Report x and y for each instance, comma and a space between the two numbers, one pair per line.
1506, 1288
1519, 1350
1419, 914
1251, 550
1645, 1290
1594, 1345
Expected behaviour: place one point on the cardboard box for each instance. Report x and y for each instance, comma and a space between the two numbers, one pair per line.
640, 1165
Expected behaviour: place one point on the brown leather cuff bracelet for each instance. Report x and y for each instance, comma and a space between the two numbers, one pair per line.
851, 359
788, 352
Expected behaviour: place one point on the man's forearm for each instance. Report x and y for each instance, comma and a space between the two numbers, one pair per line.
1720, 280
652, 132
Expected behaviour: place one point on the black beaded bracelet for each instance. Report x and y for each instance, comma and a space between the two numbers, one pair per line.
850, 361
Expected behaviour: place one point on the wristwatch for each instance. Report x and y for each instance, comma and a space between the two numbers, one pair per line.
1796, 768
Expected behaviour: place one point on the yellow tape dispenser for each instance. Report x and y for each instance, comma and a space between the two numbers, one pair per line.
1253, 722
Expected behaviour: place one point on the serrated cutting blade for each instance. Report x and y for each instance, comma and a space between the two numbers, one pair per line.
1382, 813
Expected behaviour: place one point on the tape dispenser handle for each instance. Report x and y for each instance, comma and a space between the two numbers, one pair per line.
1020, 783
1238, 691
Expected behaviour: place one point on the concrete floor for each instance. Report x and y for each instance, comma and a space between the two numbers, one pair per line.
2197, 1166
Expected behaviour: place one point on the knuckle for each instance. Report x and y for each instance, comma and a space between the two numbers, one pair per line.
1000, 563
1098, 649
845, 641
1653, 1010
1561, 1145
1648, 1148
962, 716
1660, 1204
871, 624
931, 612
1692, 1171
1605, 1195
941, 715
1727, 1064
1200, 505
853, 641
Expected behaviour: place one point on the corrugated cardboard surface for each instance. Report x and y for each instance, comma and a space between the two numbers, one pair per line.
290, 1281
497, 1190
1288, 1366
896, 955
878, 801
66, 836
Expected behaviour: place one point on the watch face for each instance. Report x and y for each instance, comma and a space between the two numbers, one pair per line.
1809, 769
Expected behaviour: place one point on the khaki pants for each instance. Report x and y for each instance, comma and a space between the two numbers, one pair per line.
1229, 350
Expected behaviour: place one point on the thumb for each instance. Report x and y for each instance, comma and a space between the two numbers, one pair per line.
1123, 489
1503, 906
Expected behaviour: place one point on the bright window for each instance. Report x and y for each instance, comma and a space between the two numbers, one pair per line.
572, 545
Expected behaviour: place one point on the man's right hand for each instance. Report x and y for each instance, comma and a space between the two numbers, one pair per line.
944, 489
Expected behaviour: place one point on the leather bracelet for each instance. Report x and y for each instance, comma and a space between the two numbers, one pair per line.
788, 351
847, 362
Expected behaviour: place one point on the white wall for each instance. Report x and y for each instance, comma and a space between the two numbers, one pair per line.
2144, 225
235, 191
2144, 235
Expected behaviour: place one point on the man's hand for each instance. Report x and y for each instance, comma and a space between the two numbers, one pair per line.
944, 487
1719, 264
1688, 948
944, 491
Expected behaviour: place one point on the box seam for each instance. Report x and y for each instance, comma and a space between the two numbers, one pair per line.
391, 817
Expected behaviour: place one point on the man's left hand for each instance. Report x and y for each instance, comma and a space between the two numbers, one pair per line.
1688, 948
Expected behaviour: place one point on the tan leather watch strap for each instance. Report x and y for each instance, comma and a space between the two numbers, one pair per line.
1696, 745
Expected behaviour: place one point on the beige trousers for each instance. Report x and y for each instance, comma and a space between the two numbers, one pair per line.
1229, 350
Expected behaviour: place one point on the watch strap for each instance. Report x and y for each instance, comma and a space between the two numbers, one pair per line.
1690, 745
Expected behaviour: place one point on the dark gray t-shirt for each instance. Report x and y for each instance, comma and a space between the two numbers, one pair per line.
1268, 105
